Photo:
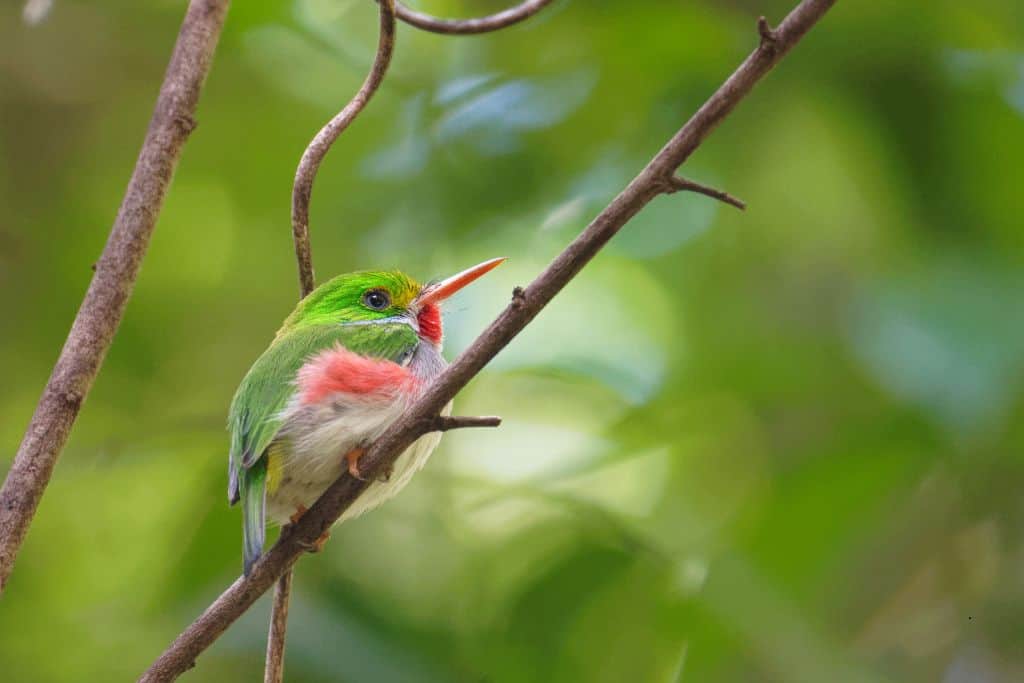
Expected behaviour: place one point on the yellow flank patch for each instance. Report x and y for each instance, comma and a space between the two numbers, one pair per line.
275, 466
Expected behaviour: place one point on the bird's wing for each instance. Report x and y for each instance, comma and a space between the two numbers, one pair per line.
255, 415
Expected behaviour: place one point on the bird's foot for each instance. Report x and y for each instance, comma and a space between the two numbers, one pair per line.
352, 457
297, 515
317, 545
385, 476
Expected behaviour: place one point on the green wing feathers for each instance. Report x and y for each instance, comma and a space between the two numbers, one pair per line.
256, 411
254, 512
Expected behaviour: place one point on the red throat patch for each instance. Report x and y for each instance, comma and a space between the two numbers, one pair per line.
429, 321
339, 370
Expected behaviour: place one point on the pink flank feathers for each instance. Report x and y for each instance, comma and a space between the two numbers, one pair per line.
339, 370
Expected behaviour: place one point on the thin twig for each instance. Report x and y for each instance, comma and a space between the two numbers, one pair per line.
446, 423
465, 27
273, 672
115, 272
677, 184
314, 155
309, 166
641, 190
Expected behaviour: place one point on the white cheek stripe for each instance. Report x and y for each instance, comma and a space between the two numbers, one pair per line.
401, 319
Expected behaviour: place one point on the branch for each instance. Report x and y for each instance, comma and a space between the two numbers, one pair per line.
446, 423
650, 183
305, 174
677, 184
314, 155
465, 27
103, 306
273, 672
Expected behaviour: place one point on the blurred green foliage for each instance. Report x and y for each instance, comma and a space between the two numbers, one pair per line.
780, 445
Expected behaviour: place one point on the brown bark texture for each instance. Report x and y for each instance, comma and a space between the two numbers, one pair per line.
103, 306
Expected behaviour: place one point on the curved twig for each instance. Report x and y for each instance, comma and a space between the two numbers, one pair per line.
650, 183
474, 26
103, 306
314, 155
305, 174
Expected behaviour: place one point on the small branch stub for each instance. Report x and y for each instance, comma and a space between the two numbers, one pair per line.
518, 297
446, 423
768, 36
677, 184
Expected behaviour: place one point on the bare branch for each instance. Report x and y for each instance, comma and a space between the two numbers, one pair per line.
446, 423
524, 307
273, 672
305, 174
115, 272
314, 155
677, 184
465, 27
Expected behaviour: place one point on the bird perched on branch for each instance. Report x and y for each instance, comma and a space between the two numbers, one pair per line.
344, 366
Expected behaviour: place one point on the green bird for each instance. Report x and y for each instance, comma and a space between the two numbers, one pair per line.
346, 363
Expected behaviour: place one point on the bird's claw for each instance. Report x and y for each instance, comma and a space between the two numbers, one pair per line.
297, 515
353, 462
317, 545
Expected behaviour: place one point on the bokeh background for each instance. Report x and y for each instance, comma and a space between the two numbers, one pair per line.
779, 445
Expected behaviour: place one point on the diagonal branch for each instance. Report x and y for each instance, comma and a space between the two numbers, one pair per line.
650, 183
466, 27
314, 155
103, 306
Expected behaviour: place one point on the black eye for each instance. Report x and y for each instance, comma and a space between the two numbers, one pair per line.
377, 299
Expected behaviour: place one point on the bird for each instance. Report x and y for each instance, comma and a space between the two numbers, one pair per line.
342, 368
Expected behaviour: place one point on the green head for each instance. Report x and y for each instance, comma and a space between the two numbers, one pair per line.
387, 296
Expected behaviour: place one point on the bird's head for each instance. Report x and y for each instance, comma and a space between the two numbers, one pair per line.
384, 296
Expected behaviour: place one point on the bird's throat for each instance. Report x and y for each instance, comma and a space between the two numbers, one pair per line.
429, 322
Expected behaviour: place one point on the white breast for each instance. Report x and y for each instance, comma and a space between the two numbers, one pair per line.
318, 437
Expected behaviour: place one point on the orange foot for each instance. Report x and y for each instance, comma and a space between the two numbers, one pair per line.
317, 545
353, 462
299, 511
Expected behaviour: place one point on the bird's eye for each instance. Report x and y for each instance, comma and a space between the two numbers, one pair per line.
377, 299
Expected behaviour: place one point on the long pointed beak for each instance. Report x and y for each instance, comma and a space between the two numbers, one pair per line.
444, 289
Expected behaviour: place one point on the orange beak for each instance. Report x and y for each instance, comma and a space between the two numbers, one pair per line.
444, 289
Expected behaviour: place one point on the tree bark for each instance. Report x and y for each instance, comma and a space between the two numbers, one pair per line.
103, 306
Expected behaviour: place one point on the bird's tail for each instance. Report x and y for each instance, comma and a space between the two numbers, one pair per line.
254, 512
